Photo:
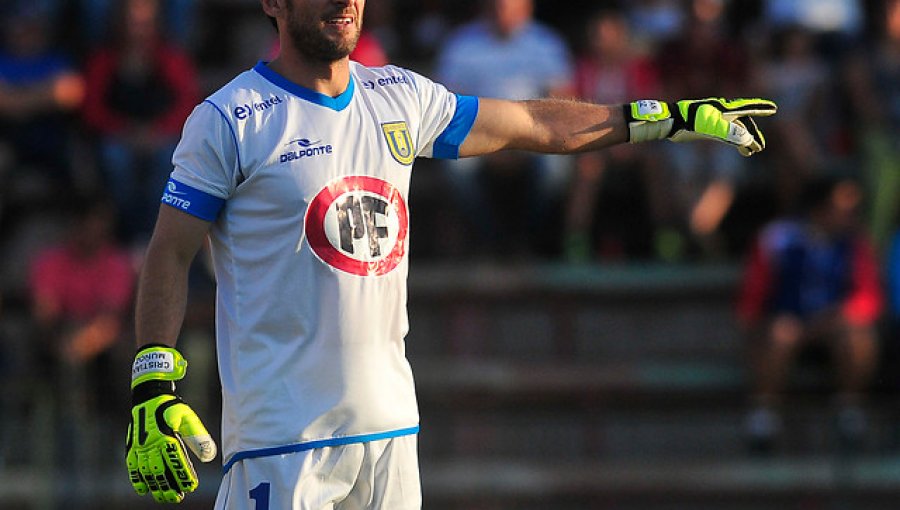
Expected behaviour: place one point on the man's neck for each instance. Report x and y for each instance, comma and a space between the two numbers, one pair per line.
506, 33
328, 78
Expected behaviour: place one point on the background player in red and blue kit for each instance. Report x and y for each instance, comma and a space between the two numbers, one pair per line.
812, 278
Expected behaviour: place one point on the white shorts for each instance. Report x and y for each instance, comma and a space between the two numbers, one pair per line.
378, 475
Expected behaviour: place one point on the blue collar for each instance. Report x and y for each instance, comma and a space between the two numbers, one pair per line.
335, 103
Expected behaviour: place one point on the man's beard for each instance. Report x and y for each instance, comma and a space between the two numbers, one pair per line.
312, 43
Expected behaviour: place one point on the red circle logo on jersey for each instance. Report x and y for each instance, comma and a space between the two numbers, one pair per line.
359, 225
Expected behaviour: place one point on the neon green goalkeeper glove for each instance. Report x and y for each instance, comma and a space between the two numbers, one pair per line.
161, 425
722, 120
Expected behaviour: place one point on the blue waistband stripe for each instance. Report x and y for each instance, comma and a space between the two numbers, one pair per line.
321, 443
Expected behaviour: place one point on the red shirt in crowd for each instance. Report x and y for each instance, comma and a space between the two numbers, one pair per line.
162, 99
76, 288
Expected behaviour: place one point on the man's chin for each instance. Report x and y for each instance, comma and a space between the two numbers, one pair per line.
326, 55
345, 47
325, 47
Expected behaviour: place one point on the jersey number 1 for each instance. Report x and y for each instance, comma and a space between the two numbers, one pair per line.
260, 494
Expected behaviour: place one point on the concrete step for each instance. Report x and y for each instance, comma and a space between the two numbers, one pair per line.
871, 483
618, 411
568, 313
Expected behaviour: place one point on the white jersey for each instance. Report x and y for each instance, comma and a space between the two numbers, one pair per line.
308, 199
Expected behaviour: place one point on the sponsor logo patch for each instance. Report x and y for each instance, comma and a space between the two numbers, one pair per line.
248, 110
304, 148
398, 79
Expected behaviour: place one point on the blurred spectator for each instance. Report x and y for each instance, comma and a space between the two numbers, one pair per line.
140, 91
817, 15
874, 77
38, 88
506, 54
890, 366
797, 78
81, 291
703, 61
177, 20
429, 28
812, 279
655, 21
616, 197
871, 76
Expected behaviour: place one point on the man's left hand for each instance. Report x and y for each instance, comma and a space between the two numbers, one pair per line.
718, 119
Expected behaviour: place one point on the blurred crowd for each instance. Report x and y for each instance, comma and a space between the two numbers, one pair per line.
93, 94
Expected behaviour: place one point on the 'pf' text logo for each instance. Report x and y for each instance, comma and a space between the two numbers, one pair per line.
359, 225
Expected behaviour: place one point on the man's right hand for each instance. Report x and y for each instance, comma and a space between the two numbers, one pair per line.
161, 425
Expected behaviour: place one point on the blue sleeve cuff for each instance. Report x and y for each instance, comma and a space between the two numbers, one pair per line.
192, 201
447, 144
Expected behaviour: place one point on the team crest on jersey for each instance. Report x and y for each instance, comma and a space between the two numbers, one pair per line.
359, 225
399, 141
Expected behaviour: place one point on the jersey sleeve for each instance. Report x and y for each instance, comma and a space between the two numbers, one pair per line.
207, 164
446, 119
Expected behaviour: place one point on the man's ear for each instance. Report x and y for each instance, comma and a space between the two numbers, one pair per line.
273, 7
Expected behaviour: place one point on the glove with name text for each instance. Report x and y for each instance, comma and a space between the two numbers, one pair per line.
161, 425
722, 120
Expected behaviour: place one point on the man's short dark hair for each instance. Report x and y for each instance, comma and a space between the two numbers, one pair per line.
274, 22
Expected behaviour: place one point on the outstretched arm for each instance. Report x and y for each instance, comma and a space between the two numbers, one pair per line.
555, 126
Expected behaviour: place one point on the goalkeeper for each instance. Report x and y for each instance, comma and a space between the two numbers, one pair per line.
299, 171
